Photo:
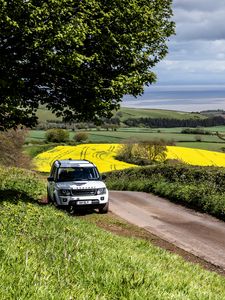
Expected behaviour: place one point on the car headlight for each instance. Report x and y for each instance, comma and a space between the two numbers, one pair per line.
65, 192
101, 191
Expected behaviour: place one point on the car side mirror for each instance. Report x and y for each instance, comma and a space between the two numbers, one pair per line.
50, 178
103, 177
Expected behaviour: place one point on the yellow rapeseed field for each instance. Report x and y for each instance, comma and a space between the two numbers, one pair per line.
196, 156
102, 155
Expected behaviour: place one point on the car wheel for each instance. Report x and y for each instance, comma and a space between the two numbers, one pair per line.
104, 209
49, 199
70, 209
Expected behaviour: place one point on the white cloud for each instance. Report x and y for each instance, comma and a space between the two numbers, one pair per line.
201, 5
190, 66
197, 52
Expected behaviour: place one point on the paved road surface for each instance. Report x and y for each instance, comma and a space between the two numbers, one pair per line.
199, 234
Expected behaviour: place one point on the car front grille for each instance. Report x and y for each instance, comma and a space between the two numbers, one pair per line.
83, 192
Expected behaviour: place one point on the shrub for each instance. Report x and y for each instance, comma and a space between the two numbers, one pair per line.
151, 150
11, 149
143, 153
125, 152
81, 137
195, 131
57, 135
198, 138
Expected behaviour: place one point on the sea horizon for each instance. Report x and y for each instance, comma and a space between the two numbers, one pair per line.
190, 98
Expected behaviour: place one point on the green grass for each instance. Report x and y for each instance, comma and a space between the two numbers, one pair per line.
48, 254
124, 134
203, 145
44, 114
34, 150
157, 113
209, 142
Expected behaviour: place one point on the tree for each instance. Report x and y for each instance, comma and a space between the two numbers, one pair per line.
57, 135
79, 58
152, 150
81, 136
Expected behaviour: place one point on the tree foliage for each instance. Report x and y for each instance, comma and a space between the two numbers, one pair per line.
57, 135
77, 57
143, 152
81, 136
169, 123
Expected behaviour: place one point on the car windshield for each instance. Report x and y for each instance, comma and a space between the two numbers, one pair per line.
78, 174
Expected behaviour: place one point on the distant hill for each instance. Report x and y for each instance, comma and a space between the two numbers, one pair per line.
124, 113
127, 113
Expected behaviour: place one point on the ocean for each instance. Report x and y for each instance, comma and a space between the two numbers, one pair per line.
190, 98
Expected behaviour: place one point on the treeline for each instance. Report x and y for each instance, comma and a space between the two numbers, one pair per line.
108, 124
168, 123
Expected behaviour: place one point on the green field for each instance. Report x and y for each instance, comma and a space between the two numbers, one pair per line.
49, 254
208, 142
125, 113
157, 113
220, 147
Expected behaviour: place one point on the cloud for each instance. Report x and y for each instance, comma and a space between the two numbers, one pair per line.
197, 52
200, 5
203, 25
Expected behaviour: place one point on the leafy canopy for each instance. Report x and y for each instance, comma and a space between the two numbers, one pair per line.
78, 57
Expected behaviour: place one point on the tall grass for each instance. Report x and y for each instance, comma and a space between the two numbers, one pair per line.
47, 254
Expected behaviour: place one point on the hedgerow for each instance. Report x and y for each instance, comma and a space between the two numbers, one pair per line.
202, 188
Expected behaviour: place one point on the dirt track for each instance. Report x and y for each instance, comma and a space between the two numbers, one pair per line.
199, 234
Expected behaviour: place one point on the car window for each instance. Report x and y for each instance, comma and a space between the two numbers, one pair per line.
78, 173
54, 172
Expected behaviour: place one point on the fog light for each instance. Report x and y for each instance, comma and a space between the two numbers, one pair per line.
102, 198
64, 199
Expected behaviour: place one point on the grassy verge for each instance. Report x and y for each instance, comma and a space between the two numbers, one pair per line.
198, 187
47, 254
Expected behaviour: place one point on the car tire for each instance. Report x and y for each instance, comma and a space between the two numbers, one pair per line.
104, 209
49, 199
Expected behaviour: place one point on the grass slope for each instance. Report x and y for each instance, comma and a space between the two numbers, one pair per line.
157, 113
47, 254
126, 113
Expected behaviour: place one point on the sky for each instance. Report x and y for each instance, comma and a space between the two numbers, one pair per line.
197, 51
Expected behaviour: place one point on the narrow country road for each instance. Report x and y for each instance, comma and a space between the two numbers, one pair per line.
197, 233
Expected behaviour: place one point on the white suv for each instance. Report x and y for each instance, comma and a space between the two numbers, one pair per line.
77, 183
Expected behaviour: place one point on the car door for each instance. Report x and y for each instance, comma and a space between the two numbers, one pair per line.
53, 174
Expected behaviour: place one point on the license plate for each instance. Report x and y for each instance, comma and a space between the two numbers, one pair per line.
84, 202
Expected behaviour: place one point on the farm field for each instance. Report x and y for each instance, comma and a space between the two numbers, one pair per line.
157, 113
208, 142
125, 113
74, 259
219, 147
103, 156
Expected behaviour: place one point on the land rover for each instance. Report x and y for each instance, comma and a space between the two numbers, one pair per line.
77, 183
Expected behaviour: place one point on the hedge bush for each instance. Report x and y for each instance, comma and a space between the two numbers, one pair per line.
202, 188
57, 135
